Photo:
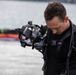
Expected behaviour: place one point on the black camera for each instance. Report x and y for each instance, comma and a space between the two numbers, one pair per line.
32, 35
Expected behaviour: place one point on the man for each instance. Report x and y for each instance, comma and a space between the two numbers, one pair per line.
59, 52
60, 26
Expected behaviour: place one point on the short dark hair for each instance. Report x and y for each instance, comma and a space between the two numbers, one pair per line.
55, 9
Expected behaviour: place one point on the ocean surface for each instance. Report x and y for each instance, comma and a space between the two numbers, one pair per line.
15, 60
14, 14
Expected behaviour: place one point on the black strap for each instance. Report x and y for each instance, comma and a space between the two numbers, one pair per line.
71, 40
67, 34
70, 48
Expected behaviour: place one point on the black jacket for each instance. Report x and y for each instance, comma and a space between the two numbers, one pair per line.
55, 60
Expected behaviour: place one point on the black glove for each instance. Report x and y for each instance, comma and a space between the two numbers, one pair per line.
39, 45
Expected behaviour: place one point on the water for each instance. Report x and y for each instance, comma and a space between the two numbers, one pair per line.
15, 60
14, 14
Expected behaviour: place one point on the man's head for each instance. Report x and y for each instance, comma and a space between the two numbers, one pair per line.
56, 17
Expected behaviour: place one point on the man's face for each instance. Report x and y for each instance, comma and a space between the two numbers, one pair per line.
56, 25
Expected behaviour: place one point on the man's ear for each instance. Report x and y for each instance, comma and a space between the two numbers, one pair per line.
66, 18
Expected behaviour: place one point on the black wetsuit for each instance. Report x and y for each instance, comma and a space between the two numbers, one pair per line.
56, 59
